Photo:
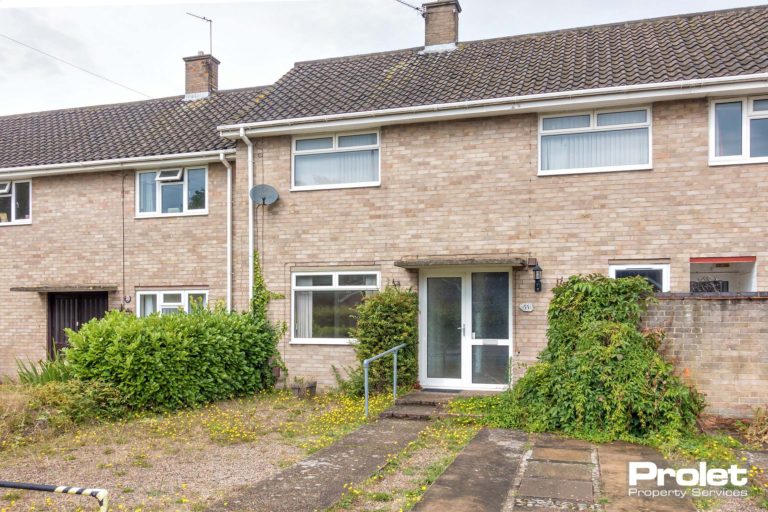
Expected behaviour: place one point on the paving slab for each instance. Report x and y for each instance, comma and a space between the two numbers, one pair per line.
554, 441
556, 488
562, 454
564, 470
480, 477
318, 481
614, 461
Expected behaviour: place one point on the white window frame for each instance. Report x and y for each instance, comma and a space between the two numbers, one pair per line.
594, 128
158, 194
12, 194
747, 114
333, 287
159, 295
664, 267
335, 149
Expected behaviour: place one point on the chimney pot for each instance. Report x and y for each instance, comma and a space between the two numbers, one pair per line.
202, 75
441, 22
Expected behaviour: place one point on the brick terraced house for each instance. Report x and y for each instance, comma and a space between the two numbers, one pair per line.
462, 169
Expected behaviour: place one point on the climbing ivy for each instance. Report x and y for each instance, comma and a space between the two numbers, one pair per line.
600, 376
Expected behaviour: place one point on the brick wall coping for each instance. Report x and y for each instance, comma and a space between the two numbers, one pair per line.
713, 296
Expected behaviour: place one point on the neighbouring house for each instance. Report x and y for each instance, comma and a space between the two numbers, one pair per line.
479, 173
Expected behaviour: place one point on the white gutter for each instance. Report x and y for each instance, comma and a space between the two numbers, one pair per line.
249, 144
139, 162
499, 106
224, 161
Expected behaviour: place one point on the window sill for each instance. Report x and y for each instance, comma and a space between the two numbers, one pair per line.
369, 184
16, 223
322, 341
738, 161
594, 170
196, 213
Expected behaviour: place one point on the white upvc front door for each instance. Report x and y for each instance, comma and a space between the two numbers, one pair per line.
465, 328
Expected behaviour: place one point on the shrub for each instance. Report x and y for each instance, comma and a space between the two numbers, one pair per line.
44, 371
31, 412
64, 404
385, 320
599, 377
173, 361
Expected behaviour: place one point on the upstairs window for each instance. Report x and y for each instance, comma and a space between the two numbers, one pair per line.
172, 192
739, 131
595, 141
170, 302
336, 161
656, 274
324, 304
15, 202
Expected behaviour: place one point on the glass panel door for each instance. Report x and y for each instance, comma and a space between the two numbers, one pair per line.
444, 326
490, 327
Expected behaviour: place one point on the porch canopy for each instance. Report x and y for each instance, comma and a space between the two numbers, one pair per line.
66, 288
506, 260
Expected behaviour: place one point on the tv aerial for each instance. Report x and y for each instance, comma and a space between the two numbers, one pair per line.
210, 30
264, 195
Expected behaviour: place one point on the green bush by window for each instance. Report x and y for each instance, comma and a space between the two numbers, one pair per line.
172, 361
385, 320
600, 376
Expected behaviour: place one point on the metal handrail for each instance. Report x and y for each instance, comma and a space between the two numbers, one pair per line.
367, 363
101, 495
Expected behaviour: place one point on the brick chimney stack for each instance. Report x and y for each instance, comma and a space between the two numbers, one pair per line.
441, 22
202, 75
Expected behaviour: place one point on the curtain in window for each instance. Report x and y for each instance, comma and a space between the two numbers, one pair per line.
594, 149
303, 317
336, 168
147, 192
22, 201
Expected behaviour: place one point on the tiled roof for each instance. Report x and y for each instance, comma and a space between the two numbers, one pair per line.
704, 45
144, 128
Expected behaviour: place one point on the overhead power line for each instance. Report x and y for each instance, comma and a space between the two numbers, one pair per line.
415, 8
74, 65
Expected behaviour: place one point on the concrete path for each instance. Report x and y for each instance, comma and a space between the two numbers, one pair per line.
506, 471
556, 473
479, 478
614, 461
317, 482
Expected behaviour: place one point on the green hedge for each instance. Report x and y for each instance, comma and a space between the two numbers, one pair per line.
173, 361
385, 320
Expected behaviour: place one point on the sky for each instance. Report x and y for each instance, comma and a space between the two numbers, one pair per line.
140, 44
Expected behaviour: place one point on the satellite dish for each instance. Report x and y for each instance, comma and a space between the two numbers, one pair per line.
264, 194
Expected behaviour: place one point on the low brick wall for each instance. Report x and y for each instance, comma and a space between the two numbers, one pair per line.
719, 343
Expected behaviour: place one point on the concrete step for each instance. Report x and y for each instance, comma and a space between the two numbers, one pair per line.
431, 398
413, 412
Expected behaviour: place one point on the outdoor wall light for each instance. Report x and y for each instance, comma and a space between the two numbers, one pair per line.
536, 278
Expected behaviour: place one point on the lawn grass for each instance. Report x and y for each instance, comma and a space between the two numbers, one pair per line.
176, 461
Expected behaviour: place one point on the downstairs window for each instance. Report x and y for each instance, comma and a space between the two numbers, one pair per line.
656, 274
170, 302
723, 274
324, 304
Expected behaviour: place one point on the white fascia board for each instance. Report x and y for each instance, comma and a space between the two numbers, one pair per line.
140, 162
588, 98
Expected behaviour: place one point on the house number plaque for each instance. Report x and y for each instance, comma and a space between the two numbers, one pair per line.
526, 306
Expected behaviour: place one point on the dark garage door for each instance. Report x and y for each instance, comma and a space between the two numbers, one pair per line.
70, 311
